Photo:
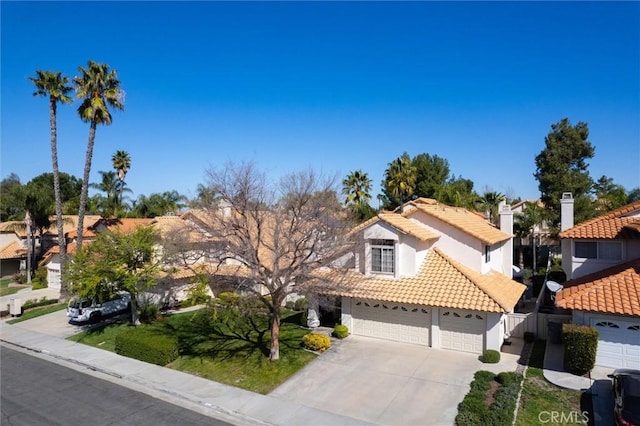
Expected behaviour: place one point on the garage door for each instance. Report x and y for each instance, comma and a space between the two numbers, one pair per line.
618, 343
462, 330
392, 321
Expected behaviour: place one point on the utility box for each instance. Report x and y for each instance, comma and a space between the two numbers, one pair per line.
15, 307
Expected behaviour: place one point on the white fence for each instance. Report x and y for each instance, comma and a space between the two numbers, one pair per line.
535, 322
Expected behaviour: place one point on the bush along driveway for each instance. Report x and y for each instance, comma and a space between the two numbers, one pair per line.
225, 344
492, 398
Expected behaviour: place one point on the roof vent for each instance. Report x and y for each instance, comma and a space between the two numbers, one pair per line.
567, 196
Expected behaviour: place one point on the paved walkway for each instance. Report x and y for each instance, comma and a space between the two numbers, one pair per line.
28, 294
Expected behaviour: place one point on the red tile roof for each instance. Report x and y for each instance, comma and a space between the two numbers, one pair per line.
614, 290
622, 223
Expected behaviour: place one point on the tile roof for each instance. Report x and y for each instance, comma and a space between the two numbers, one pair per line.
13, 250
123, 225
441, 282
460, 218
402, 224
614, 290
71, 249
617, 224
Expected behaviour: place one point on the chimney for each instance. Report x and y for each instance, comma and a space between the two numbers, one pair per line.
566, 211
506, 226
566, 222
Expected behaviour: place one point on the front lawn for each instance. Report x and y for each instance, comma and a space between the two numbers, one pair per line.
540, 398
5, 290
36, 312
223, 345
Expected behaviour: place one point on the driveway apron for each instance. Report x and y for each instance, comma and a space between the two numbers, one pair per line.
384, 382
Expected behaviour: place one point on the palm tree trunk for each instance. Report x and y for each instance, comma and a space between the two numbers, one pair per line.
62, 243
85, 181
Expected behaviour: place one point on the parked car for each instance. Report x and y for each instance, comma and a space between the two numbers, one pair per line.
83, 309
626, 394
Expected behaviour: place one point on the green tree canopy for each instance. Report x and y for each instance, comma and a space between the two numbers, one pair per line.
12, 198
115, 262
562, 167
432, 174
399, 182
609, 196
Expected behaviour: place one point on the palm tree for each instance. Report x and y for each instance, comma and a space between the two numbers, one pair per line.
55, 86
533, 215
489, 202
99, 88
110, 205
400, 180
357, 187
122, 163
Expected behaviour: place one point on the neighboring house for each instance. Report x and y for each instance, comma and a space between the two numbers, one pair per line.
13, 257
541, 231
601, 258
432, 275
51, 259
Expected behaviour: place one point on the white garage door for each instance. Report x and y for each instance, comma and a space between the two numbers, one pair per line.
462, 330
618, 343
392, 321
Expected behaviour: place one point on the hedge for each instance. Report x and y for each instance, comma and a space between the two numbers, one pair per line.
147, 346
580, 347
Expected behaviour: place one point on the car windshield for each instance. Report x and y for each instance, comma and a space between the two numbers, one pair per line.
77, 303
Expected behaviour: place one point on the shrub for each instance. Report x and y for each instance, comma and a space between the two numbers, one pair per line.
316, 342
491, 356
474, 410
506, 378
580, 346
19, 278
148, 312
301, 304
149, 347
529, 336
39, 279
197, 294
229, 298
340, 331
34, 303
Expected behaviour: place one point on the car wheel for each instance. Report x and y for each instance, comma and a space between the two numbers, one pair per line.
95, 317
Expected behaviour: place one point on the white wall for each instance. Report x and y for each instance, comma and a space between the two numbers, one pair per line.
455, 243
53, 272
495, 331
346, 318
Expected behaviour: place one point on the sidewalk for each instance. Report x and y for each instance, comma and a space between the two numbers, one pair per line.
598, 384
217, 400
28, 294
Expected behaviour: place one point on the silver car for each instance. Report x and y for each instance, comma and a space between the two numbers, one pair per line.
83, 309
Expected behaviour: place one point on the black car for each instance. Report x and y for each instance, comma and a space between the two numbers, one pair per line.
626, 394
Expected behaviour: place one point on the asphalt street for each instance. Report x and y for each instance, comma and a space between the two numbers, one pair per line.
35, 392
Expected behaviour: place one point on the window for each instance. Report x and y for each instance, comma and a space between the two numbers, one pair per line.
382, 256
598, 250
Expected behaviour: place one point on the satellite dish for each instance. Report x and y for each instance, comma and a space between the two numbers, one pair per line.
554, 286
516, 272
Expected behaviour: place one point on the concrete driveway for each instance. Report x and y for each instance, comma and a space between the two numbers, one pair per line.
388, 383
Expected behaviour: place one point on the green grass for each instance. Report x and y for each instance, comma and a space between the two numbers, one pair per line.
539, 395
5, 290
36, 312
224, 346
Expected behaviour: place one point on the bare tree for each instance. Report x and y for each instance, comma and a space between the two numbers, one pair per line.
275, 238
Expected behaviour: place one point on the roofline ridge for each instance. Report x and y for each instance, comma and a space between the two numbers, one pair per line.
479, 285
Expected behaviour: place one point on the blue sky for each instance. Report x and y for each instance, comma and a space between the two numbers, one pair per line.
335, 86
